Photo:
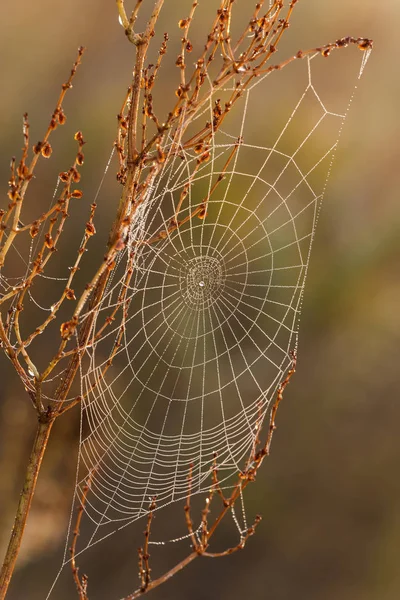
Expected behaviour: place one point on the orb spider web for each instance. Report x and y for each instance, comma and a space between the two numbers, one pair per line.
205, 316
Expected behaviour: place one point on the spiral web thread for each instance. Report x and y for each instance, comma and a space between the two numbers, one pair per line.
211, 313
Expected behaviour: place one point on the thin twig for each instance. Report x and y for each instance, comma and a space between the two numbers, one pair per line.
144, 556
80, 582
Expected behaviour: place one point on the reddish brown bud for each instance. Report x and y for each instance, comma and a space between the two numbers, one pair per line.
76, 176
365, 44
68, 328
34, 230
48, 241
70, 294
90, 229
46, 150
203, 213
37, 148
79, 137
199, 147
13, 194
61, 117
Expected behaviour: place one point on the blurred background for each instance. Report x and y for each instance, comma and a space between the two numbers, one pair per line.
329, 493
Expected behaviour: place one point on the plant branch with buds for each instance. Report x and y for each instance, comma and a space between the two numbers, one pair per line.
145, 144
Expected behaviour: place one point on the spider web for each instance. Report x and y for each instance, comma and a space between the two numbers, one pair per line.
210, 312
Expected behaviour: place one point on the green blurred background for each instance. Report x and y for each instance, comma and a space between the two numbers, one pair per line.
329, 494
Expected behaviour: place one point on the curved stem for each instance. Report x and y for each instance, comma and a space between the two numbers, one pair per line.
156, 582
28, 490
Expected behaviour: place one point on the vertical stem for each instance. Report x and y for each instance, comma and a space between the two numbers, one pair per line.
39, 446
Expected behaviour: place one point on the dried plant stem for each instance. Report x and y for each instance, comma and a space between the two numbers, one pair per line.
80, 582
34, 464
156, 582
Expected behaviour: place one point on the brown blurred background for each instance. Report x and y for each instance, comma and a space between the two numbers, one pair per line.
330, 493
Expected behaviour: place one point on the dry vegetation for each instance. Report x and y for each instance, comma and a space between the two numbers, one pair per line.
145, 142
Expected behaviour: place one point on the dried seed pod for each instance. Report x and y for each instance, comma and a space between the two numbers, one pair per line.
70, 294
183, 23
77, 194
68, 328
37, 148
203, 212
79, 137
13, 193
23, 171
80, 158
34, 230
61, 118
76, 176
47, 150
64, 176
365, 44
199, 147
90, 229
48, 241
